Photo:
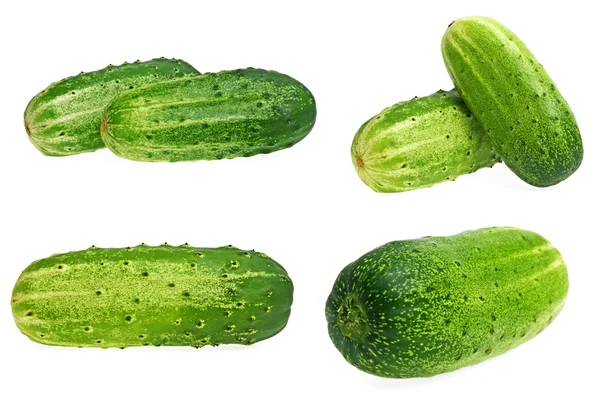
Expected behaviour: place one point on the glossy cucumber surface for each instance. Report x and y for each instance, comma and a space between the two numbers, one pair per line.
213, 116
417, 308
419, 143
65, 118
165, 295
528, 121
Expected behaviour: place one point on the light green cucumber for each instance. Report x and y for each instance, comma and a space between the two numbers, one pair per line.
213, 116
145, 295
418, 308
419, 143
528, 121
64, 119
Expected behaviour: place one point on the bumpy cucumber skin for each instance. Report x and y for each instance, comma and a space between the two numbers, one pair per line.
64, 119
422, 307
528, 121
419, 143
145, 295
213, 116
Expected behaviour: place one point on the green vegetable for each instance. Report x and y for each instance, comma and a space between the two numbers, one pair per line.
419, 143
64, 119
529, 123
421, 307
217, 115
146, 295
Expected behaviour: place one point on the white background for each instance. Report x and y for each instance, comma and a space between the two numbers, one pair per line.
305, 206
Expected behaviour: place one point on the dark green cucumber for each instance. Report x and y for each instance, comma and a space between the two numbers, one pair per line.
528, 121
146, 295
64, 119
216, 115
421, 307
419, 143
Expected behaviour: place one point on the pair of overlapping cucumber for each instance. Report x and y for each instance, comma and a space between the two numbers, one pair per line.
165, 110
505, 108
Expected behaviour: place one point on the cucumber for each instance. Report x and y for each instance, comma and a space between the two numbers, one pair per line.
418, 308
528, 121
165, 295
419, 143
213, 116
64, 119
